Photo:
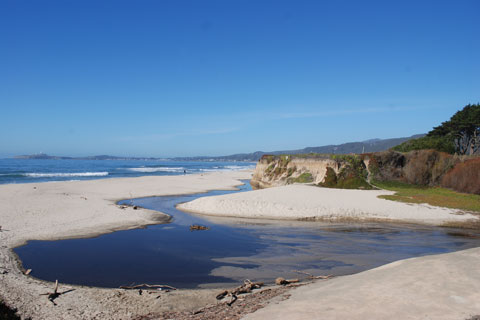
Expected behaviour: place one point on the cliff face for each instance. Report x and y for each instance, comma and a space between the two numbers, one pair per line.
422, 167
272, 171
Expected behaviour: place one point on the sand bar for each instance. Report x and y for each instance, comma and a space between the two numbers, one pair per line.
55, 210
299, 202
443, 286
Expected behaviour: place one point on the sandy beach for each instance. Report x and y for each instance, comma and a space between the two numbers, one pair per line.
445, 286
56, 210
304, 202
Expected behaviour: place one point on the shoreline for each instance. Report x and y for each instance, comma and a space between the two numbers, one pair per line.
82, 209
441, 286
142, 217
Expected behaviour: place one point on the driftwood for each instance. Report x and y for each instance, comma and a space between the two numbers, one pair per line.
247, 287
55, 294
282, 281
194, 227
311, 276
148, 286
222, 295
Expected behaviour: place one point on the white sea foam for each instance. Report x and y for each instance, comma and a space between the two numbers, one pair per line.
233, 167
157, 169
229, 168
65, 174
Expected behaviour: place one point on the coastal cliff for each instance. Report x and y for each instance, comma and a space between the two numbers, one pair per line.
422, 167
272, 171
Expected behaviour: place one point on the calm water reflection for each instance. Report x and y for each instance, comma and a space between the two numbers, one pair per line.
231, 251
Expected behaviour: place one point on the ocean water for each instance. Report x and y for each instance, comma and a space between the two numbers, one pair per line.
29, 170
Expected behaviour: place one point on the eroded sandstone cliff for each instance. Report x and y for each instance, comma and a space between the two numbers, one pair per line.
421, 167
281, 170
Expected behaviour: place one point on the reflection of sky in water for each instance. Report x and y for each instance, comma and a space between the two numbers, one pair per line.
338, 249
232, 250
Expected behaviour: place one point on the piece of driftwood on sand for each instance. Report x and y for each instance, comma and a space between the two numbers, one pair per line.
55, 294
311, 276
283, 282
246, 287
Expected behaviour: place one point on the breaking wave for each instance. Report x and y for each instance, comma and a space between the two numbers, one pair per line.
65, 174
228, 168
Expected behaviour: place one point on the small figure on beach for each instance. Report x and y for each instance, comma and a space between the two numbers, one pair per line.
184, 171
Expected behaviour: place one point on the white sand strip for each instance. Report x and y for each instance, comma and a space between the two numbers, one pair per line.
53, 210
311, 202
436, 287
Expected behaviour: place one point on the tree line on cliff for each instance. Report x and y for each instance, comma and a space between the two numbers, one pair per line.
459, 135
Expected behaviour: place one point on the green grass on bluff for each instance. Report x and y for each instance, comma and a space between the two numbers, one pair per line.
434, 196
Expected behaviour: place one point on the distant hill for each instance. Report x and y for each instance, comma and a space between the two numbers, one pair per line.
43, 156
371, 145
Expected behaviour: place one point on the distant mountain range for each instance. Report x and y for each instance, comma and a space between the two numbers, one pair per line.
372, 145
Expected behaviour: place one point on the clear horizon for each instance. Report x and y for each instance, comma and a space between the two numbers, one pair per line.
190, 78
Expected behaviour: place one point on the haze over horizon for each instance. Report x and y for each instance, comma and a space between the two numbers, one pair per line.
190, 78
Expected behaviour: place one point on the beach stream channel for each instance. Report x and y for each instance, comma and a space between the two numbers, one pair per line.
231, 250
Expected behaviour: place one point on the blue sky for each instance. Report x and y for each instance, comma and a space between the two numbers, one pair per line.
180, 78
